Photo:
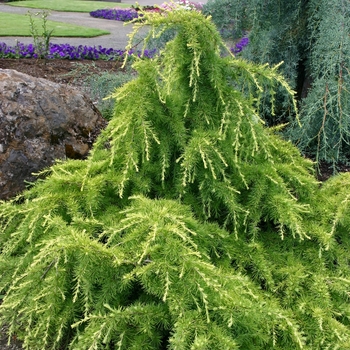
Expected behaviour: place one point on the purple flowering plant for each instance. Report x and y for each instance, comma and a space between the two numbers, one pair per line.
83, 52
129, 14
70, 52
117, 14
240, 45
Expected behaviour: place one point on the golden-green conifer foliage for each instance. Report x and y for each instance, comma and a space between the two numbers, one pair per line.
190, 225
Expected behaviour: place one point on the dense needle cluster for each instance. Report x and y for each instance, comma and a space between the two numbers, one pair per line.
191, 225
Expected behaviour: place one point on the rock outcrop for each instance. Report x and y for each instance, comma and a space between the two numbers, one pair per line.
40, 122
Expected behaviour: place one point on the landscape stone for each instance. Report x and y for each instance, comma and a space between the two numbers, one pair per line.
40, 122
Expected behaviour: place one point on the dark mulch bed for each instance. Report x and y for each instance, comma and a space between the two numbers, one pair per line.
15, 343
327, 170
60, 71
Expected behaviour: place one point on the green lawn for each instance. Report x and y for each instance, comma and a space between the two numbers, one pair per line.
67, 5
19, 25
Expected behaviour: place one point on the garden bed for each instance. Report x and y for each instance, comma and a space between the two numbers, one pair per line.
74, 72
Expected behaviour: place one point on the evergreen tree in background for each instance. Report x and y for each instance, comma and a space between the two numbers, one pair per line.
190, 226
312, 38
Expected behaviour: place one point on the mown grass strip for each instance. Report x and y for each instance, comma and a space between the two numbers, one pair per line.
19, 25
68, 5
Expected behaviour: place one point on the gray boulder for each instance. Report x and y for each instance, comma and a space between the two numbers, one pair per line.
40, 122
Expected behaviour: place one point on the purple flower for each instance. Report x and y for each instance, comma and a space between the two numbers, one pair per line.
116, 14
66, 51
242, 43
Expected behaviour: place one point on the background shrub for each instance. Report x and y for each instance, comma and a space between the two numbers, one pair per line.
311, 38
100, 86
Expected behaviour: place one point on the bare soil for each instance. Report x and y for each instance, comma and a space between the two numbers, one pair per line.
60, 71
15, 344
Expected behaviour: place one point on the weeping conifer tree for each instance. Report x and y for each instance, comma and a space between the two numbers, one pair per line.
190, 226
312, 38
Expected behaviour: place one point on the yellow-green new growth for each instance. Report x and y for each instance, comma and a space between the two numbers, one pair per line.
169, 235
